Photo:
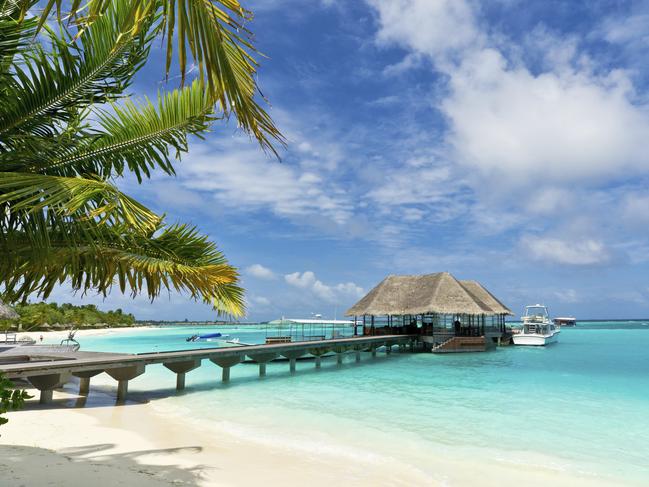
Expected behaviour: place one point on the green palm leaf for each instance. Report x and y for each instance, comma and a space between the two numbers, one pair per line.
27, 194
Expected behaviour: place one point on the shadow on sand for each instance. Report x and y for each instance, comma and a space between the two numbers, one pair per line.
92, 465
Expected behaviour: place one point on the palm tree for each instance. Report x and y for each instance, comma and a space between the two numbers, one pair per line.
68, 131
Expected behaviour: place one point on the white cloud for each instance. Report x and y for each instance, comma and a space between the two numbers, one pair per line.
241, 177
260, 272
567, 296
331, 293
302, 280
580, 253
522, 128
434, 27
260, 301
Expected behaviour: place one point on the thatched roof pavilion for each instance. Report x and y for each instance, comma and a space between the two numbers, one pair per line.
481, 293
7, 312
438, 293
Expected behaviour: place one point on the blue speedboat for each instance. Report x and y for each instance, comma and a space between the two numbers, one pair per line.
207, 336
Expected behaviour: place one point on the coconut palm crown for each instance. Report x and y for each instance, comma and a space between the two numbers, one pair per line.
69, 131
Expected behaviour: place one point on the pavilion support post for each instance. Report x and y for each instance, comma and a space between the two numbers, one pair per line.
339, 358
318, 362
291, 365
388, 348
373, 352
358, 356
262, 370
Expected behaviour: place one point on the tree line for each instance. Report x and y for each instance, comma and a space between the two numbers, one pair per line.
34, 315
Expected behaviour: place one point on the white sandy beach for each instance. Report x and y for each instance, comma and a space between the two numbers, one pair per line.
135, 444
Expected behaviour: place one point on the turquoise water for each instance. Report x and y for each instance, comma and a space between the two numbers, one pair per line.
579, 406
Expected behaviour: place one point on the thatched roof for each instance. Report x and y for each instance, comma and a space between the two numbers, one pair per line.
7, 312
429, 293
480, 292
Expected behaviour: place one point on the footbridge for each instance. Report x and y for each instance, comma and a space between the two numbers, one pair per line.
47, 372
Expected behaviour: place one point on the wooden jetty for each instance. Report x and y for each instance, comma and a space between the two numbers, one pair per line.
48, 372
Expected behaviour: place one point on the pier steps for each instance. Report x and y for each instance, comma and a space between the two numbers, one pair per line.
461, 344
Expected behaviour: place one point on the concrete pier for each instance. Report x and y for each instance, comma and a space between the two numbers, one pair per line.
262, 359
84, 380
47, 372
181, 368
226, 363
47, 383
124, 374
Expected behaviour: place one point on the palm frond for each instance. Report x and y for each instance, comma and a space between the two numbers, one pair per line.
218, 42
137, 137
95, 69
27, 194
177, 259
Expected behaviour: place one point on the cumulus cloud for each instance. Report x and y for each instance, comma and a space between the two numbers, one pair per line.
579, 253
241, 177
260, 301
567, 295
332, 293
259, 271
561, 125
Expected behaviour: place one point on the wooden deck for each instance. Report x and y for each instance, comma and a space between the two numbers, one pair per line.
49, 371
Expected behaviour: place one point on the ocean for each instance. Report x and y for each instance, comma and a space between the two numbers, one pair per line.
579, 406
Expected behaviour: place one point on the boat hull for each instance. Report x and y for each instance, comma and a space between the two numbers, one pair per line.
534, 340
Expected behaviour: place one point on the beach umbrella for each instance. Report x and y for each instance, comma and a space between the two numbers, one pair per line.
7, 312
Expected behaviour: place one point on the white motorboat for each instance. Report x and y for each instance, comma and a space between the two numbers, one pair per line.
538, 329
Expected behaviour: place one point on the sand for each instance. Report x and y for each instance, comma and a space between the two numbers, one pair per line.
101, 444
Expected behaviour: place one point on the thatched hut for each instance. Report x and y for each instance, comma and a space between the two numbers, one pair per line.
7, 312
431, 304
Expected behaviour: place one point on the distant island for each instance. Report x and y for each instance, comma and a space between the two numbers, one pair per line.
48, 316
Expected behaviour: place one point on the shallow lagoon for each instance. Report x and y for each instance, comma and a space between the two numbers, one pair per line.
581, 405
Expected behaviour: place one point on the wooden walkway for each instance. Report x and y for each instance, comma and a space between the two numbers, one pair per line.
46, 372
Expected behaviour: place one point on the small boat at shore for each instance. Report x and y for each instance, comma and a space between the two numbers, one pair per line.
537, 330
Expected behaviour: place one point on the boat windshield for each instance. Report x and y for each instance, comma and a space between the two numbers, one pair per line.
536, 313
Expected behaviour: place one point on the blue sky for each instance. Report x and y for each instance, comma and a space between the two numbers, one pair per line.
504, 141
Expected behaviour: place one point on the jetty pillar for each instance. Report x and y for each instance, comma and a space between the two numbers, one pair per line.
226, 363
181, 368
262, 359
373, 352
47, 383
292, 356
124, 374
339, 358
358, 356
388, 348
84, 380
318, 353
